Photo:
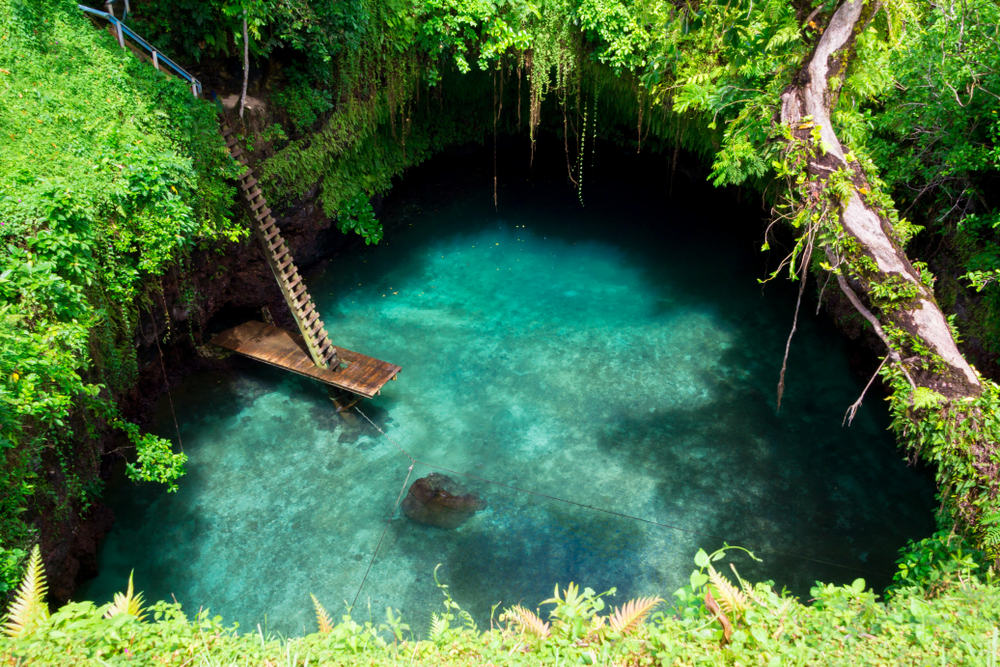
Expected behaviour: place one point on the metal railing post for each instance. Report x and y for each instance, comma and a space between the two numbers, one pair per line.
119, 30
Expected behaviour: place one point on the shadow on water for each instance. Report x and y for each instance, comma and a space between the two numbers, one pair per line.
619, 356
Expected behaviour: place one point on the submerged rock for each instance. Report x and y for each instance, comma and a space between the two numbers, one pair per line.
437, 500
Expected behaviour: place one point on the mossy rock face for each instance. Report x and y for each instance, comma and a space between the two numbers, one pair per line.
438, 500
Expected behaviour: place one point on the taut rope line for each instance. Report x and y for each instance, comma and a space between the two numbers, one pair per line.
597, 509
388, 520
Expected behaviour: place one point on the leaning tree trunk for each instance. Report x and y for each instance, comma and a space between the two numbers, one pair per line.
859, 240
954, 425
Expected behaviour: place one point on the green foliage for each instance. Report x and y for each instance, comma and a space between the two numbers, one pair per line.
129, 603
936, 135
29, 608
936, 563
155, 458
11, 561
110, 172
356, 214
844, 625
953, 436
304, 103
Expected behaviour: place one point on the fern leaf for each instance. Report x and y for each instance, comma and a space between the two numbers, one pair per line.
322, 618
28, 608
529, 621
926, 398
597, 623
439, 625
631, 614
748, 588
129, 603
730, 598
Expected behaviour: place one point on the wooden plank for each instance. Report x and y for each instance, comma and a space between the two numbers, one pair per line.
363, 375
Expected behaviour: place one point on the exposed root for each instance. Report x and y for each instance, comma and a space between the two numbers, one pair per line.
806, 259
853, 410
856, 302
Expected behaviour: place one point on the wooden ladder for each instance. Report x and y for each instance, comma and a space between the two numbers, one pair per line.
279, 257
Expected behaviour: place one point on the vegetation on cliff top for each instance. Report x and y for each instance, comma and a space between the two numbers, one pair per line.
110, 173
719, 618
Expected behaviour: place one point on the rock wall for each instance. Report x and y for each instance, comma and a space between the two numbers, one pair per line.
230, 284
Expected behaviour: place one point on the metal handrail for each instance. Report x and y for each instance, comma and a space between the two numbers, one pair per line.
108, 3
157, 55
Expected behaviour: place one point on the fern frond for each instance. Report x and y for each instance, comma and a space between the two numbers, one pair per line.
322, 618
631, 614
529, 621
748, 588
926, 398
439, 625
29, 608
129, 603
731, 599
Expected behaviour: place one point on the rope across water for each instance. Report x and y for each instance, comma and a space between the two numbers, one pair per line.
414, 462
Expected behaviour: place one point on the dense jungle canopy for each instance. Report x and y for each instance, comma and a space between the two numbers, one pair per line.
870, 128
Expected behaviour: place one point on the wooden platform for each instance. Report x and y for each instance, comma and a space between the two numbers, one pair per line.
287, 350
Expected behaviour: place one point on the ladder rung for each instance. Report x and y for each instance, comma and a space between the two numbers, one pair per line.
227, 130
294, 282
267, 226
282, 254
286, 275
295, 295
316, 326
298, 303
249, 183
245, 174
311, 308
252, 195
330, 355
284, 264
306, 321
236, 152
277, 244
263, 214
270, 236
322, 346
254, 207
232, 142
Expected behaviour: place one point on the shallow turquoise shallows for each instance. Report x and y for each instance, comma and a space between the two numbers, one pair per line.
619, 357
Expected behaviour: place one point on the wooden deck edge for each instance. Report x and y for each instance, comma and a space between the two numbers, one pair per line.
364, 376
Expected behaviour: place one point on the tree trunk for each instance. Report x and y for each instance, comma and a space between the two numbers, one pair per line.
865, 249
246, 65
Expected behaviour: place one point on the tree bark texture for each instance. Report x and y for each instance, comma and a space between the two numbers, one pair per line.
246, 65
809, 102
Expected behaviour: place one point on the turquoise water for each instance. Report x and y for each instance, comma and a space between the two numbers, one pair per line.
621, 356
